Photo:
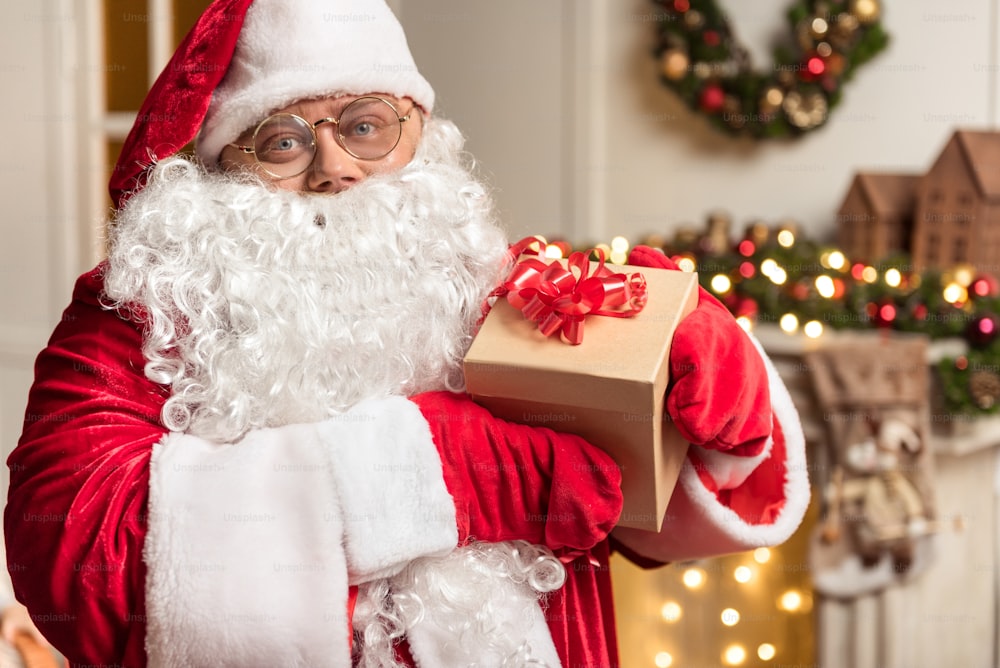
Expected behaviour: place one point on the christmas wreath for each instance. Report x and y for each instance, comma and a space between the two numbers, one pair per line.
703, 62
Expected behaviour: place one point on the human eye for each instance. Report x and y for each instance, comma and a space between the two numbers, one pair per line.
280, 146
365, 128
282, 138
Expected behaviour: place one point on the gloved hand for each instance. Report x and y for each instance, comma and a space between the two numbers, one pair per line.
718, 395
512, 481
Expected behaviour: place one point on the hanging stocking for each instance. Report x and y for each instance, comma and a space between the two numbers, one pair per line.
879, 503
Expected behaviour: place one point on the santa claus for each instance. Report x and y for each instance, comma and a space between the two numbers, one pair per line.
247, 442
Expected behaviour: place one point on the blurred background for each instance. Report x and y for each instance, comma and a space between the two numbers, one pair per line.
571, 125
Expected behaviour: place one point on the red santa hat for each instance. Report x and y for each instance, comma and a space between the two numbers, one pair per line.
246, 58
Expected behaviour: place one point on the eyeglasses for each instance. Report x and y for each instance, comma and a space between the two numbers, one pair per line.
284, 145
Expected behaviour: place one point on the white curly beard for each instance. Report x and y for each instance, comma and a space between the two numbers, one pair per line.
264, 308
267, 307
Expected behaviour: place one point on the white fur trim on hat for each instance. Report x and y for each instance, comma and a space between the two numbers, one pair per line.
291, 50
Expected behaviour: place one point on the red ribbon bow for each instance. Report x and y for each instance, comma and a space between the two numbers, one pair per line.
558, 298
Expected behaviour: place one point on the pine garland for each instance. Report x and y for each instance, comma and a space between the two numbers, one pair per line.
770, 276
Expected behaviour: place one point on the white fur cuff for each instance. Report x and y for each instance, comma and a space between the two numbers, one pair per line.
245, 565
698, 524
391, 487
729, 471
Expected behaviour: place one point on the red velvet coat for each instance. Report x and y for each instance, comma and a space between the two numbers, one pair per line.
76, 519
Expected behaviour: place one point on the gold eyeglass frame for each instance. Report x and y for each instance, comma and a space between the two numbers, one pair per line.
341, 140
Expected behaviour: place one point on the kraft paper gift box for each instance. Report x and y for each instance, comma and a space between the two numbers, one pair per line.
608, 389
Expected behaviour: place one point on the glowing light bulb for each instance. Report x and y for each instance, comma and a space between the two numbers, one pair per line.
767, 266
553, 252
538, 243
686, 264
813, 329
789, 323
964, 275
869, 274
671, 611
742, 574
734, 655
762, 555
745, 322
778, 276
893, 278
721, 284
836, 260
693, 578
619, 251
663, 660
791, 601
954, 293
730, 617
786, 238
825, 286
766, 651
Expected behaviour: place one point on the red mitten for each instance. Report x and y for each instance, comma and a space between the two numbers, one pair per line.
718, 395
511, 481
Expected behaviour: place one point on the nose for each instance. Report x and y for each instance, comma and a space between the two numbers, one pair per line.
334, 169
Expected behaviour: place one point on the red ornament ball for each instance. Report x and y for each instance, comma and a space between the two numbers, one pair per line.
881, 315
985, 285
711, 38
816, 66
886, 315
983, 330
747, 307
711, 98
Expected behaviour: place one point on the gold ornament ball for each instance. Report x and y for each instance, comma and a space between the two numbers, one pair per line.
693, 19
865, 10
771, 100
702, 70
786, 78
846, 25
984, 386
818, 27
805, 110
675, 64
835, 64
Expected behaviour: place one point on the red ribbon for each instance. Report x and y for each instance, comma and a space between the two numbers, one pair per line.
558, 298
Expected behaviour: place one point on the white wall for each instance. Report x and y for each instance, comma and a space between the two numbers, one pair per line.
563, 107
40, 252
